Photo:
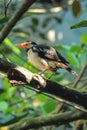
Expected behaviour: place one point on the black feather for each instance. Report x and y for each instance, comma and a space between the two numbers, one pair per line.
62, 59
49, 53
46, 52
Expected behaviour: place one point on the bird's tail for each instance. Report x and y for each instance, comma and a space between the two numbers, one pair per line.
65, 66
71, 71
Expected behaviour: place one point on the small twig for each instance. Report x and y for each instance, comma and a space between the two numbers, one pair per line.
21, 100
5, 8
79, 76
6, 5
11, 23
82, 80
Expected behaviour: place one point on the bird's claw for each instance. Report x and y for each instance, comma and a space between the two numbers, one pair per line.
40, 79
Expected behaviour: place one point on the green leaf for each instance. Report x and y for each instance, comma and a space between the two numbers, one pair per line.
7, 95
9, 110
83, 38
79, 25
3, 106
35, 21
42, 98
77, 49
6, 83
72, 59
59, 47
4, 19
49, 106
10, 45
15, 58
42, 35
29, 66
10, 92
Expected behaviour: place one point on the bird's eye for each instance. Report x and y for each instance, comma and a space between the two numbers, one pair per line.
26, 44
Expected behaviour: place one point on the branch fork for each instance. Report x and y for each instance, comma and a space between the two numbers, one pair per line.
20, 75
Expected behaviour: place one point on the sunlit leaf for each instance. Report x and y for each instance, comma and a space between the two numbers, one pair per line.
72, 59
9, 110
49, 106
76, 49
59, 47
83, 39
6, 83
10, 45
42, 98
10, 92
15, 58
29, 66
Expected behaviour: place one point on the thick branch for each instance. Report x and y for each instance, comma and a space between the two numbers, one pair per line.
15, 18
52, 119
19, 75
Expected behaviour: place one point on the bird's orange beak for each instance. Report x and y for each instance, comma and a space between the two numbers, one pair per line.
23, 45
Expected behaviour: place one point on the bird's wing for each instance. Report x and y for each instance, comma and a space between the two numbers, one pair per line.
46, 52
62, 59
49, 53
52, 55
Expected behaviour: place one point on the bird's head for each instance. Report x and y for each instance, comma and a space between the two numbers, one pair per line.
27, 44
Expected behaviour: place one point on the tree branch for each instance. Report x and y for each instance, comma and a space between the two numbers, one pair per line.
8, 27
51, 119
18, 75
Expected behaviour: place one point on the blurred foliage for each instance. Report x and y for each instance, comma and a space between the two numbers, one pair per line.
80, 24
18, 102
83, 39
76, 7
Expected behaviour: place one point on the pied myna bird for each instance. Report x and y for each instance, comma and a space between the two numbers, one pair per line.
45, 58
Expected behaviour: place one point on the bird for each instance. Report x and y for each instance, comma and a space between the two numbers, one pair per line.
45, 58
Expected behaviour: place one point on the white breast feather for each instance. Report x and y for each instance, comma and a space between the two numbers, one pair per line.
39, 63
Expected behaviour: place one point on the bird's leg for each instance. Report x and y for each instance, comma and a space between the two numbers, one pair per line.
51, 75
42, 73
